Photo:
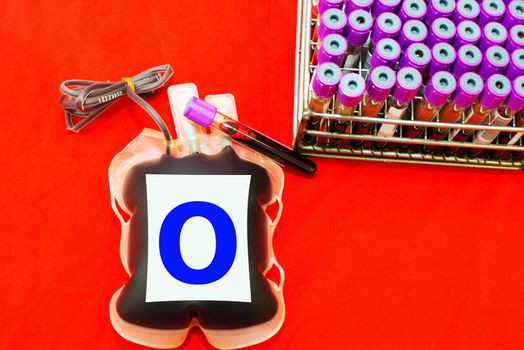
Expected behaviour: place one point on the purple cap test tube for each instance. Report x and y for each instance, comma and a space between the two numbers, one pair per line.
491, 11
412, 9
324, 5
495, 60
326, 79
439, 8
387, 25
469, 87
514, 14
351, 89
443, 55
496, 89
353, 5
333, 21
380, 83
382, 6
466, 10
516, 64
442, 30
386, 53
515, 99
469, 58
439, 88
515, 38
468, 33
358, 27
333, 49
493, 33
408, 83
417, 56
413, 31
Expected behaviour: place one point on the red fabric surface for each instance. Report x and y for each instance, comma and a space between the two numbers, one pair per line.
377, 256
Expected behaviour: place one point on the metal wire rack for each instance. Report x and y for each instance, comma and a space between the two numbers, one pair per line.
398, 148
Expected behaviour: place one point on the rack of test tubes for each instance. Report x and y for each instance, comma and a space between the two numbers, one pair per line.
433, 82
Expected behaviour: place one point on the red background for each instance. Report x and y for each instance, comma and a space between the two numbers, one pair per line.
377, 256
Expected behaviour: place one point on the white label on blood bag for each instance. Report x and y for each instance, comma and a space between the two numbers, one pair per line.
197, 238
389, 129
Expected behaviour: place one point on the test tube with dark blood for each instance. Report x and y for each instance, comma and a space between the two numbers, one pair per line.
322, 7
469, 87
438, 9
516, 64
491, 11
357, 33
412, 9
333, 49
515, 38
386, 53
333, 22
417, 56
442, 30
352, 5
496, 59
387, 25
383, 6
443, 55
349, 95
468, 33
468, 59
466, 10
413, 31
493, 33
514, 14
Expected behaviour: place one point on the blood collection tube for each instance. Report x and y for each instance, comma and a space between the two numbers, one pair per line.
383, 6
387, 53
469, 58
417, 56
493, 33
333, 22
516, 64
322, 7
509, 138
207, 115
468, 33
519, 123
413, 31
442, 30
466, 10
443, 55
349, 95
352, 5
491, 11
357, 32
439, 8
408, 83
495, 61
333, 49
515, 38
514, 14
387, 25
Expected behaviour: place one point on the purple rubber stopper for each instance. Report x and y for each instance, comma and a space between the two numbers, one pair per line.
442, 31
443, 55
351, 89
333, 21
324, 5
412, 9
491, 11
380, 82
469, 87
353, 5
439, 8
439, 88
383, 6
358, 27
515, 38
516, 64
413, 31
466, 10
514, 14
326, 79
417, 56
493, 33
408, 83
387, 52
468, 33
496, 89
468, 59
333, 49
200, 112
496, 59
515, 100
387, 25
